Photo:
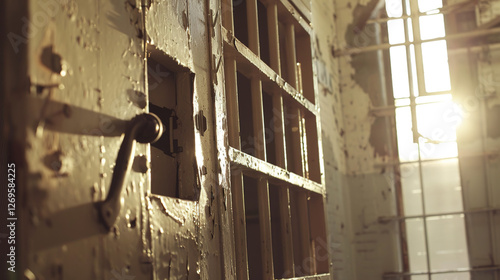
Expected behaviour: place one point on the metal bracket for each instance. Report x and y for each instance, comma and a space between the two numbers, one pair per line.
168, 117
201, 122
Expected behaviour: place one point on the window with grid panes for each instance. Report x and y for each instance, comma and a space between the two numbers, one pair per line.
274, 141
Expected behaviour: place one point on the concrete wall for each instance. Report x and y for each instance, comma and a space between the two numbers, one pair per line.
357, 147
333, 137
354, 143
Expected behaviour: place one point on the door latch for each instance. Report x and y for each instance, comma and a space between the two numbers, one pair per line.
144, 128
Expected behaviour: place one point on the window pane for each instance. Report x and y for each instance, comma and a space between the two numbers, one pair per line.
420, 277
408, 151
429, 150
429, 5
436, 98
396, 31
402, 102
394, 8
442, 187
447, 243
416, 245
439, 121
399, 70
436, 69
412, 194
432, 27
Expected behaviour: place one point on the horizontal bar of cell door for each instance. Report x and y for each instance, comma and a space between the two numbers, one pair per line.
255, 167
251, 65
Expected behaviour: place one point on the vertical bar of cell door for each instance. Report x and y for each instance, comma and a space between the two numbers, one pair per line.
301, 196
280, 144
278, 114
253, 26
260, 147
233, 120
302, 126
227, 15
291, 56
262, 183
295, 116
273, 36
319, 242
308, 263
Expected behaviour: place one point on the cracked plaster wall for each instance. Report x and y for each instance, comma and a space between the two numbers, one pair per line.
367, 189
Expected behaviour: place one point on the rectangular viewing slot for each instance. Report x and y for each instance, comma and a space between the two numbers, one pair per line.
173, 162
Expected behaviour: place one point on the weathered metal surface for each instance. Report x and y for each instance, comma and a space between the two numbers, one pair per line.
251, 164
87, 76
243, 54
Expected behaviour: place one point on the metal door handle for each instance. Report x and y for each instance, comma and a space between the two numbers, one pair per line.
144, 128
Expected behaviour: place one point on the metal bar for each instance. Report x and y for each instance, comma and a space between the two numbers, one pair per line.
240, 238
291, 57
273, 37
399, 274
227, 15
317, 217
291, 68
240, 233
305, 232
260, 147
444, 10
251, 65
265, 229
280, 145
302, 127
255, 167
253, 27
286, 231
462, 156
291, 13
463, 35
262, 183
415, 19
465, 212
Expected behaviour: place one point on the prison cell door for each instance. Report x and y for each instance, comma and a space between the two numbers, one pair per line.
93, 67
